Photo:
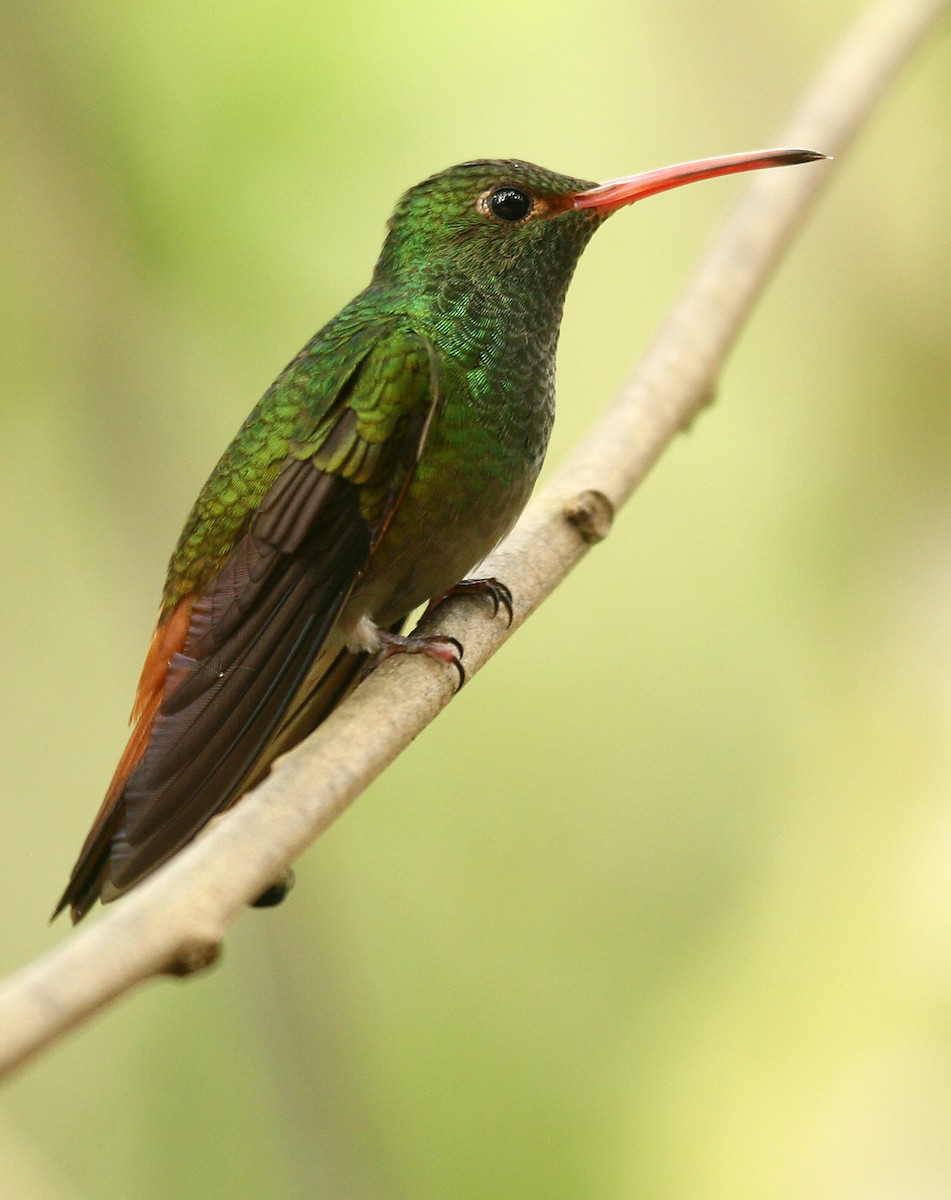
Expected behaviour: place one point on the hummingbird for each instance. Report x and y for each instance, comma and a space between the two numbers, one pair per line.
388, 458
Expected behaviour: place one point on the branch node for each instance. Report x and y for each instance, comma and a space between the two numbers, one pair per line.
196, 954
704, 401
592, 514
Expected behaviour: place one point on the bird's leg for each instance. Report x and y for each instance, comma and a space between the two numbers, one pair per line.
437, 645
365, 635
444, 649
491, 587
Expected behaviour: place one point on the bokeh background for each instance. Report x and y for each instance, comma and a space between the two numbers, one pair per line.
661, 906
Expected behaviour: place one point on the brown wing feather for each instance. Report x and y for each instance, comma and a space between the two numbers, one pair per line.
223, 671
232, 684
86, 879
218, 677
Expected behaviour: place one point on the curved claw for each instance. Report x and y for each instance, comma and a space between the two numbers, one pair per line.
440, 646
491, 587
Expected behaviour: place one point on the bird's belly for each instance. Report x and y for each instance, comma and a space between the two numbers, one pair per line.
437, 535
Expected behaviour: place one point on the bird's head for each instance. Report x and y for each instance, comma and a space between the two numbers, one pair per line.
495, 221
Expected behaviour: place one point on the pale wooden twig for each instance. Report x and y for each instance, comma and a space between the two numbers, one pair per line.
175, 921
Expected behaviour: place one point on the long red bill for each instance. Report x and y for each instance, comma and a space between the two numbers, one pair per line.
607, 197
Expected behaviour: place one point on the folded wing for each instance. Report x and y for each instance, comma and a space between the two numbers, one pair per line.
227, 665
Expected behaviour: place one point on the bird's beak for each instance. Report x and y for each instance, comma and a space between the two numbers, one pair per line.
606, 198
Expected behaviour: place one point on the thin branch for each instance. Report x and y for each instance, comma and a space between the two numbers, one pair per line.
174, 923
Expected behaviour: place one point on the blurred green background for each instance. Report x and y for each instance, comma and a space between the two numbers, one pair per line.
661, 906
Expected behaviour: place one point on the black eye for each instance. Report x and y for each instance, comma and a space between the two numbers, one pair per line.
509, 203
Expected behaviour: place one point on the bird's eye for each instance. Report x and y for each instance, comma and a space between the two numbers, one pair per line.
509, 203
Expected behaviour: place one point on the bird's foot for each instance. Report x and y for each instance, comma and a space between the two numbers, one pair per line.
443, 649
491, 587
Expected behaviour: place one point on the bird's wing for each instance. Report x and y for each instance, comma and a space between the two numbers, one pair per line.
228, 660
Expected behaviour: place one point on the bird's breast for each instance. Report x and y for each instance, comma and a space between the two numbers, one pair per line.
472, 481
